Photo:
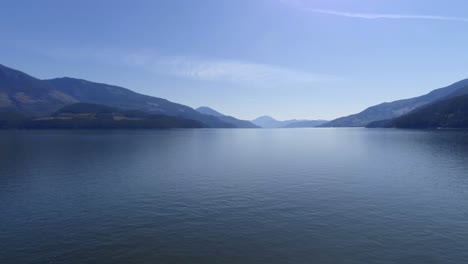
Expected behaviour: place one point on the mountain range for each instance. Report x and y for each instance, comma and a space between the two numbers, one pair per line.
451, 112
29, 102
93, 116
386, 111
305, 123
270, 122
227, 119
23, 94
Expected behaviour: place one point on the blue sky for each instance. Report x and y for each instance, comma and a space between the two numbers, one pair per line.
285, 58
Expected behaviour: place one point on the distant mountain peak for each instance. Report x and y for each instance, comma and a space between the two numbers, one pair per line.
205, 110
266, 121
270, 122
265, 118
209, 111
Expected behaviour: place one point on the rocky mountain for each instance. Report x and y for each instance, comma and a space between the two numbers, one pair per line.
227, 119
398, 108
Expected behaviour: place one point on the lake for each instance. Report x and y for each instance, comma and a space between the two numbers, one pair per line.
234, 196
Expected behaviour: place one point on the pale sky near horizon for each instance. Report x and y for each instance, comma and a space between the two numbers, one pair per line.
316, 59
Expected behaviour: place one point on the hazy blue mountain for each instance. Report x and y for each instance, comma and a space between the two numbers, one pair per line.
270, 122
22, 93
209, 111
305, 123
397, 108
227, 119
448, 113
100, 93
27, 95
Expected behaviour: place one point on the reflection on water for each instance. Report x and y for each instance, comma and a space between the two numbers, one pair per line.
234, 196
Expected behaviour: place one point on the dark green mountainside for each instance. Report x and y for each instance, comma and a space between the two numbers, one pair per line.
398, 108
93, 116
448, 113
30, 96
99, 93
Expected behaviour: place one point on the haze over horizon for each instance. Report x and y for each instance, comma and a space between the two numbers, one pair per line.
290, 59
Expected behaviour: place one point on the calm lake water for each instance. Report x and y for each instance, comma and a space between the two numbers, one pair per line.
234, 196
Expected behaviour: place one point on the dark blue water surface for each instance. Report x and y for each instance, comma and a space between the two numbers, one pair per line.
234, 196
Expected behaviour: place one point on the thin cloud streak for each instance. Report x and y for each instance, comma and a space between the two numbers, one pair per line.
203, 69
198, 68
387, 16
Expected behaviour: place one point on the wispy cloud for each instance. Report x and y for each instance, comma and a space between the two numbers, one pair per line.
204, 69
304, 6
198, 68
387, 16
